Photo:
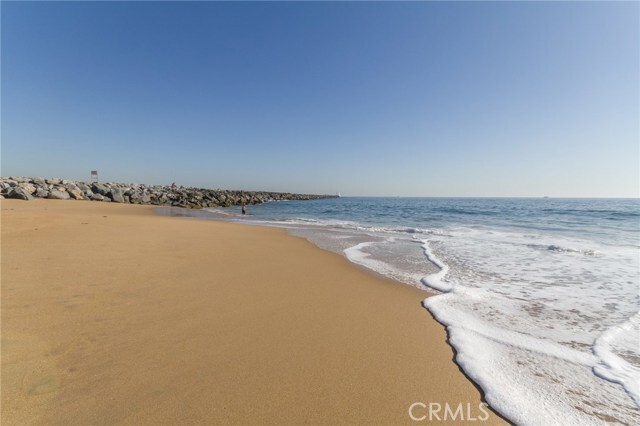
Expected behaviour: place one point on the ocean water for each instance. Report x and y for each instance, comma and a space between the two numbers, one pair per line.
540, 297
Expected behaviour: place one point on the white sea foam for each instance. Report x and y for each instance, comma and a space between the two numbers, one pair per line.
530, 335
611, 366
532, 347
348, 225
358, 254
218, 211
435, 280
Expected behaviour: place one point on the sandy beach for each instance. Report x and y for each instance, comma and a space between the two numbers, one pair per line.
112, 314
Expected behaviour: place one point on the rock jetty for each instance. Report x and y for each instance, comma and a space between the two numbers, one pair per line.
27, 188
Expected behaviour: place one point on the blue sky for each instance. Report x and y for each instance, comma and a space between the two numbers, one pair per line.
413, 99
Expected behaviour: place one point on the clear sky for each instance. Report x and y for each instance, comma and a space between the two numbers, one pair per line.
413, 99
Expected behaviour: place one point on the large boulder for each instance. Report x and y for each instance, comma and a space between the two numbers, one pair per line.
135, 197
42, 193
70, 186
83, 186
20, 193
116, 195
28, 187
38, 181
99, 188
76, 194
56, 194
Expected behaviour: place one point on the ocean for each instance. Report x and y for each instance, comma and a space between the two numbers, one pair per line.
540, 297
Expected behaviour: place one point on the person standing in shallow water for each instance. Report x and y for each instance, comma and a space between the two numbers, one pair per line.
244, 209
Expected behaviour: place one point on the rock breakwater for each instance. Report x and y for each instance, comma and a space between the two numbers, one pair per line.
28, 188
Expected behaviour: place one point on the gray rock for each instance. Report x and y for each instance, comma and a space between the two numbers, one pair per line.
97, 197
134, 197
53, 181
20, 193
116, 195
42, 193
28, 187
76, 194
99, 188
58, 195
70, 186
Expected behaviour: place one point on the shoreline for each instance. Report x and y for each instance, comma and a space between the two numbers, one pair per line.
113, 313
429, 292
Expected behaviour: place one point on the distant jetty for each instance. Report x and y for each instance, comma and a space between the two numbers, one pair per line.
28, 188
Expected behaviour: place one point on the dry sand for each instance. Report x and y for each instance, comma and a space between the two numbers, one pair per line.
111, 314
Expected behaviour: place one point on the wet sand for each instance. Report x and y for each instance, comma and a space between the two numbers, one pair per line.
112, 314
